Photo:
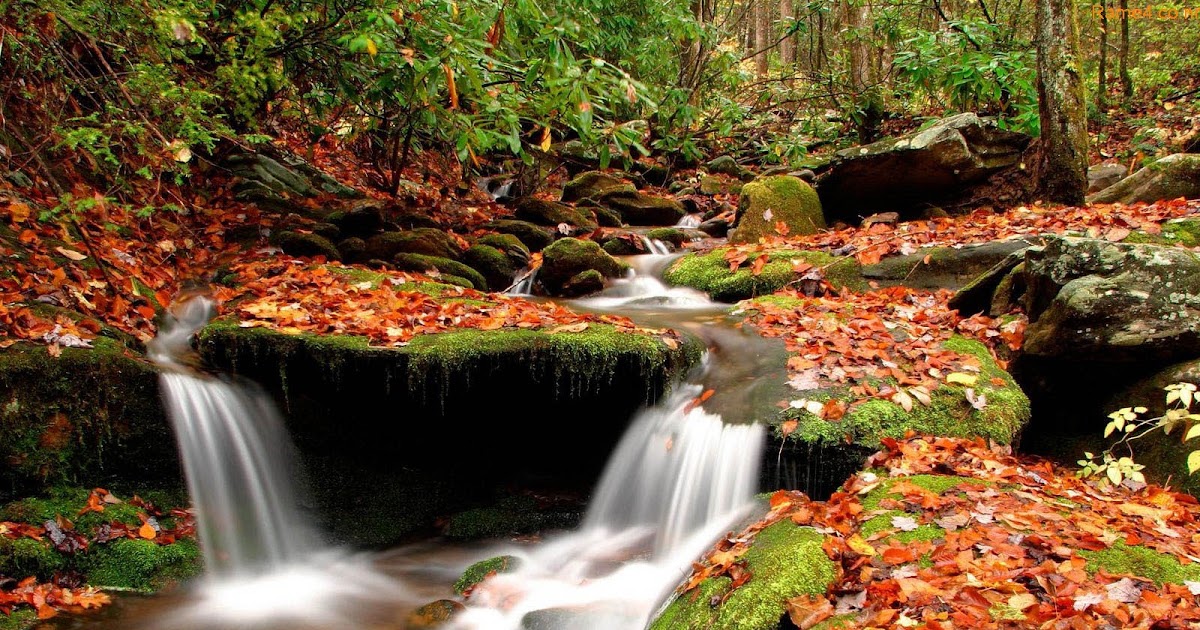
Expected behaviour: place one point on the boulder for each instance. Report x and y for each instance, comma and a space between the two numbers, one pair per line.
582, 283
724, 165
363, 219
710, 273
673, 236
592, 184
513, 248
568, 257
925, 167
1171, 177
425, 241
258, 177
353, 250
716, 227
942, 267
551, 213
1094, 300
301, 244
624, 243
768, 201
436, 614
494, 265
533, 237
1102, 176
606, 217
450, 271
638, 208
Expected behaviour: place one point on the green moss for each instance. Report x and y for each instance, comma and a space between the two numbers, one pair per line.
22, 557
674, 236
785, 561
477, 572
838, 622
710, 273
19, 619
359, 275
938, 484
568, 257
422, 264
493, 264
140, 564
950, 414
788, 199
506, 243
1122, 559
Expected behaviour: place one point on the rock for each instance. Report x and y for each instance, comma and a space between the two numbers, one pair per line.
881, 218
582, 283
947, 267
710, 273
513, 248
710, 185
606, 217
496, 267
1171, 177
433, 615
353, 250
766, 202
624, 243
328, 230
534, 237
592, 184
1094, 300
1102, 176
300, 244
673, 236
261, 178
979, 295
363, 219
448, 269
716, 227
807, 175
481, 570
320, 179
653, 174
638, 208
929, 166
18, 179
425, 241
566, 258
724, 165
541, 212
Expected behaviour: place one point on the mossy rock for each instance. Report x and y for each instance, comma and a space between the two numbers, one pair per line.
768, 201
1171, 177
944, 267
541, 212
512, 247
606, 217
593, 184
1183, 232
364, 219
88, 416
784, 561
569, 257
433, 615
19, 619
479, 571
353, 250
141, 565
535, 238
675, 236
307, 245
638, 208
710, 273
496, 267
451, 269
423, 241
1001, 419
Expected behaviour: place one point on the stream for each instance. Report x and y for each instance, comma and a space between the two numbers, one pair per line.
682, 475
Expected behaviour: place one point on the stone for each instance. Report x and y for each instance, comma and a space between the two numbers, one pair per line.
534, 237
436, 614
593, 184
670, 235
513, 248
1102, 176
638, 208
363, 219
724, 165
551, 213
258, 177
568, 257
768, 201
653, 174
353, 250
946, 267
425, 241
496, 267
925, 167
583, 283
985, 290
444, 267
716, 227
710, 185
623, 243
1171, 177
307, 245
327, 230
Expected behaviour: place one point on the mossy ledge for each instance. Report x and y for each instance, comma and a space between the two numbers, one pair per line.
89, 416
785, 561
449, 402
710, 273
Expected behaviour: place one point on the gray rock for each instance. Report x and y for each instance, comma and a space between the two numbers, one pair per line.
551, 213
299, 244
947, 268
724, 165
259, 178
1102, 176
1171, 177
593, 184
638, 208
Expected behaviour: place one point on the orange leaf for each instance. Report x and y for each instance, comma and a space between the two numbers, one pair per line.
807, 611
788, 427
450, 85
759, 262
147, 531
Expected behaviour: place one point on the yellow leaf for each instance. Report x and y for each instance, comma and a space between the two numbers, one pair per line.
70, 253
453, 89
372, 49
18, 211
860, 546
147, 531
571, 328
1021, 601
545, 144
961, 378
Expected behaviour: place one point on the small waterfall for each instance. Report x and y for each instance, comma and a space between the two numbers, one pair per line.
235, 456
644, 289
524, 283
655, 246
690, 221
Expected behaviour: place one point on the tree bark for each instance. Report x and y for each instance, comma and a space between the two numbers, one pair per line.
1061, 173
1102, 79
762, 35
787, 45
1123, 53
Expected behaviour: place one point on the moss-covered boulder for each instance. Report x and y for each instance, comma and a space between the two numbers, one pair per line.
585, 282
542, 212
674, 236
784, 561
363, 219
1170, 177
483, 569
353, 250
302, 244
91, 415
638, 208
592, 184
1184, 232
513, 248
768, 201
450, 270
495, 267
943, 267
534, 237
710, 273
569, 257
436, 614
724, 165
423, 241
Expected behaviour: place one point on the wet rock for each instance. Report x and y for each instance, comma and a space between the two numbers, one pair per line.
670, 235
484, 569
436, 614
638, 208
1102, 176
942, 267
425, 241
624, 243
300, 244
606, 217
582, 283
917, 169
716, 227
592, 184
353, 250
534, 237
513, 248
447, 270
1171, 177
768, 201
541, 212
494, 265
568, 257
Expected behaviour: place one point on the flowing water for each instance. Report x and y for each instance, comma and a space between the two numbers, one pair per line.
681, 476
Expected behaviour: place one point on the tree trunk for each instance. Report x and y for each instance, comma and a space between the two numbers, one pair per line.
1102, 80
787, 45
1123, 54
762, 35
1061, 173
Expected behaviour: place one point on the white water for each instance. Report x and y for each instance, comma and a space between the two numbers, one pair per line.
690, 221
643, 289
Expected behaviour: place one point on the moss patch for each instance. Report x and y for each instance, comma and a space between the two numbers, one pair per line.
768, 201
785, 561
18, 619
710, 273
479, 571
141, 564
1121, 559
